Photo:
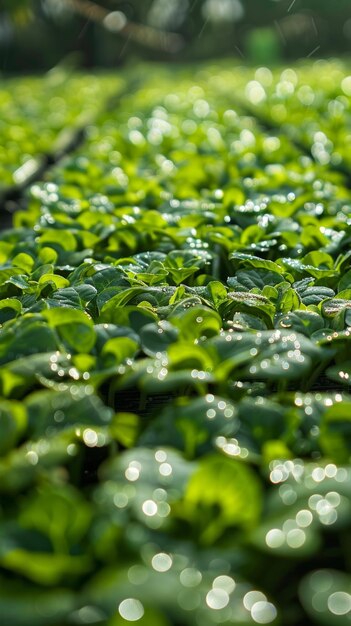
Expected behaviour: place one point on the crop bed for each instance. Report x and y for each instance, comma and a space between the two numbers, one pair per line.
175, 335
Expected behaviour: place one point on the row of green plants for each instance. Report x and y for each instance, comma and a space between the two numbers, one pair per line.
174, 373
39, 114
317, 114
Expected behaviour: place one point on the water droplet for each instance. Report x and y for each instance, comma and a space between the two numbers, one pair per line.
304, 518
132, 472
263, 612
165, 469
252, 597
160, 456
339, 603
90, 438
275, 538
217, 599
149, 507
131, 610
162, 562
296, 538
224, 582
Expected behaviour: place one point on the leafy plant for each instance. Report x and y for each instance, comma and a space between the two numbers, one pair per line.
174, 351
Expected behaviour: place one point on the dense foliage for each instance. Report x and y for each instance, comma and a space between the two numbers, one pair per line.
36, 114
175, 356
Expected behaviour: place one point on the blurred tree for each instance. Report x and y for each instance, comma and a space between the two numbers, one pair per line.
209, 28
19, 10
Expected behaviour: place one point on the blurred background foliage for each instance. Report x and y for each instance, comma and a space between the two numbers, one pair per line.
37, 34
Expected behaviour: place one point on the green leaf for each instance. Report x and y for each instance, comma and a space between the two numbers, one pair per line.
61, 513
71, 297
75, 327
246, 280
156, 338
266, 355
13, 423
304, 322
9, 309
133, 316
24, 373
64, 238
119, 349
217, 292
54, 280
334, 306
305, 499
26, 336
184, 356
196, 323
310, 293
52, 411
222, 493
248, 260
146, 470
304, 266
192, 425
248, 302
124, 428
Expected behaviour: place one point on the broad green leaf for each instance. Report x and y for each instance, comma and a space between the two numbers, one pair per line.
156, 338
305, 500
310, 294
26, 336
57, 281
184, 355
248, 302
75, 327
217, 292
246, 280
64, 238
193, 592
50, 411
6, 274
196, 323
133, 316
248, 260
304, 322
21, 375
23, 466
192, 425
61, 513
301, 267
146, 470
278, 354
9, 308
119, 349
222, 493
